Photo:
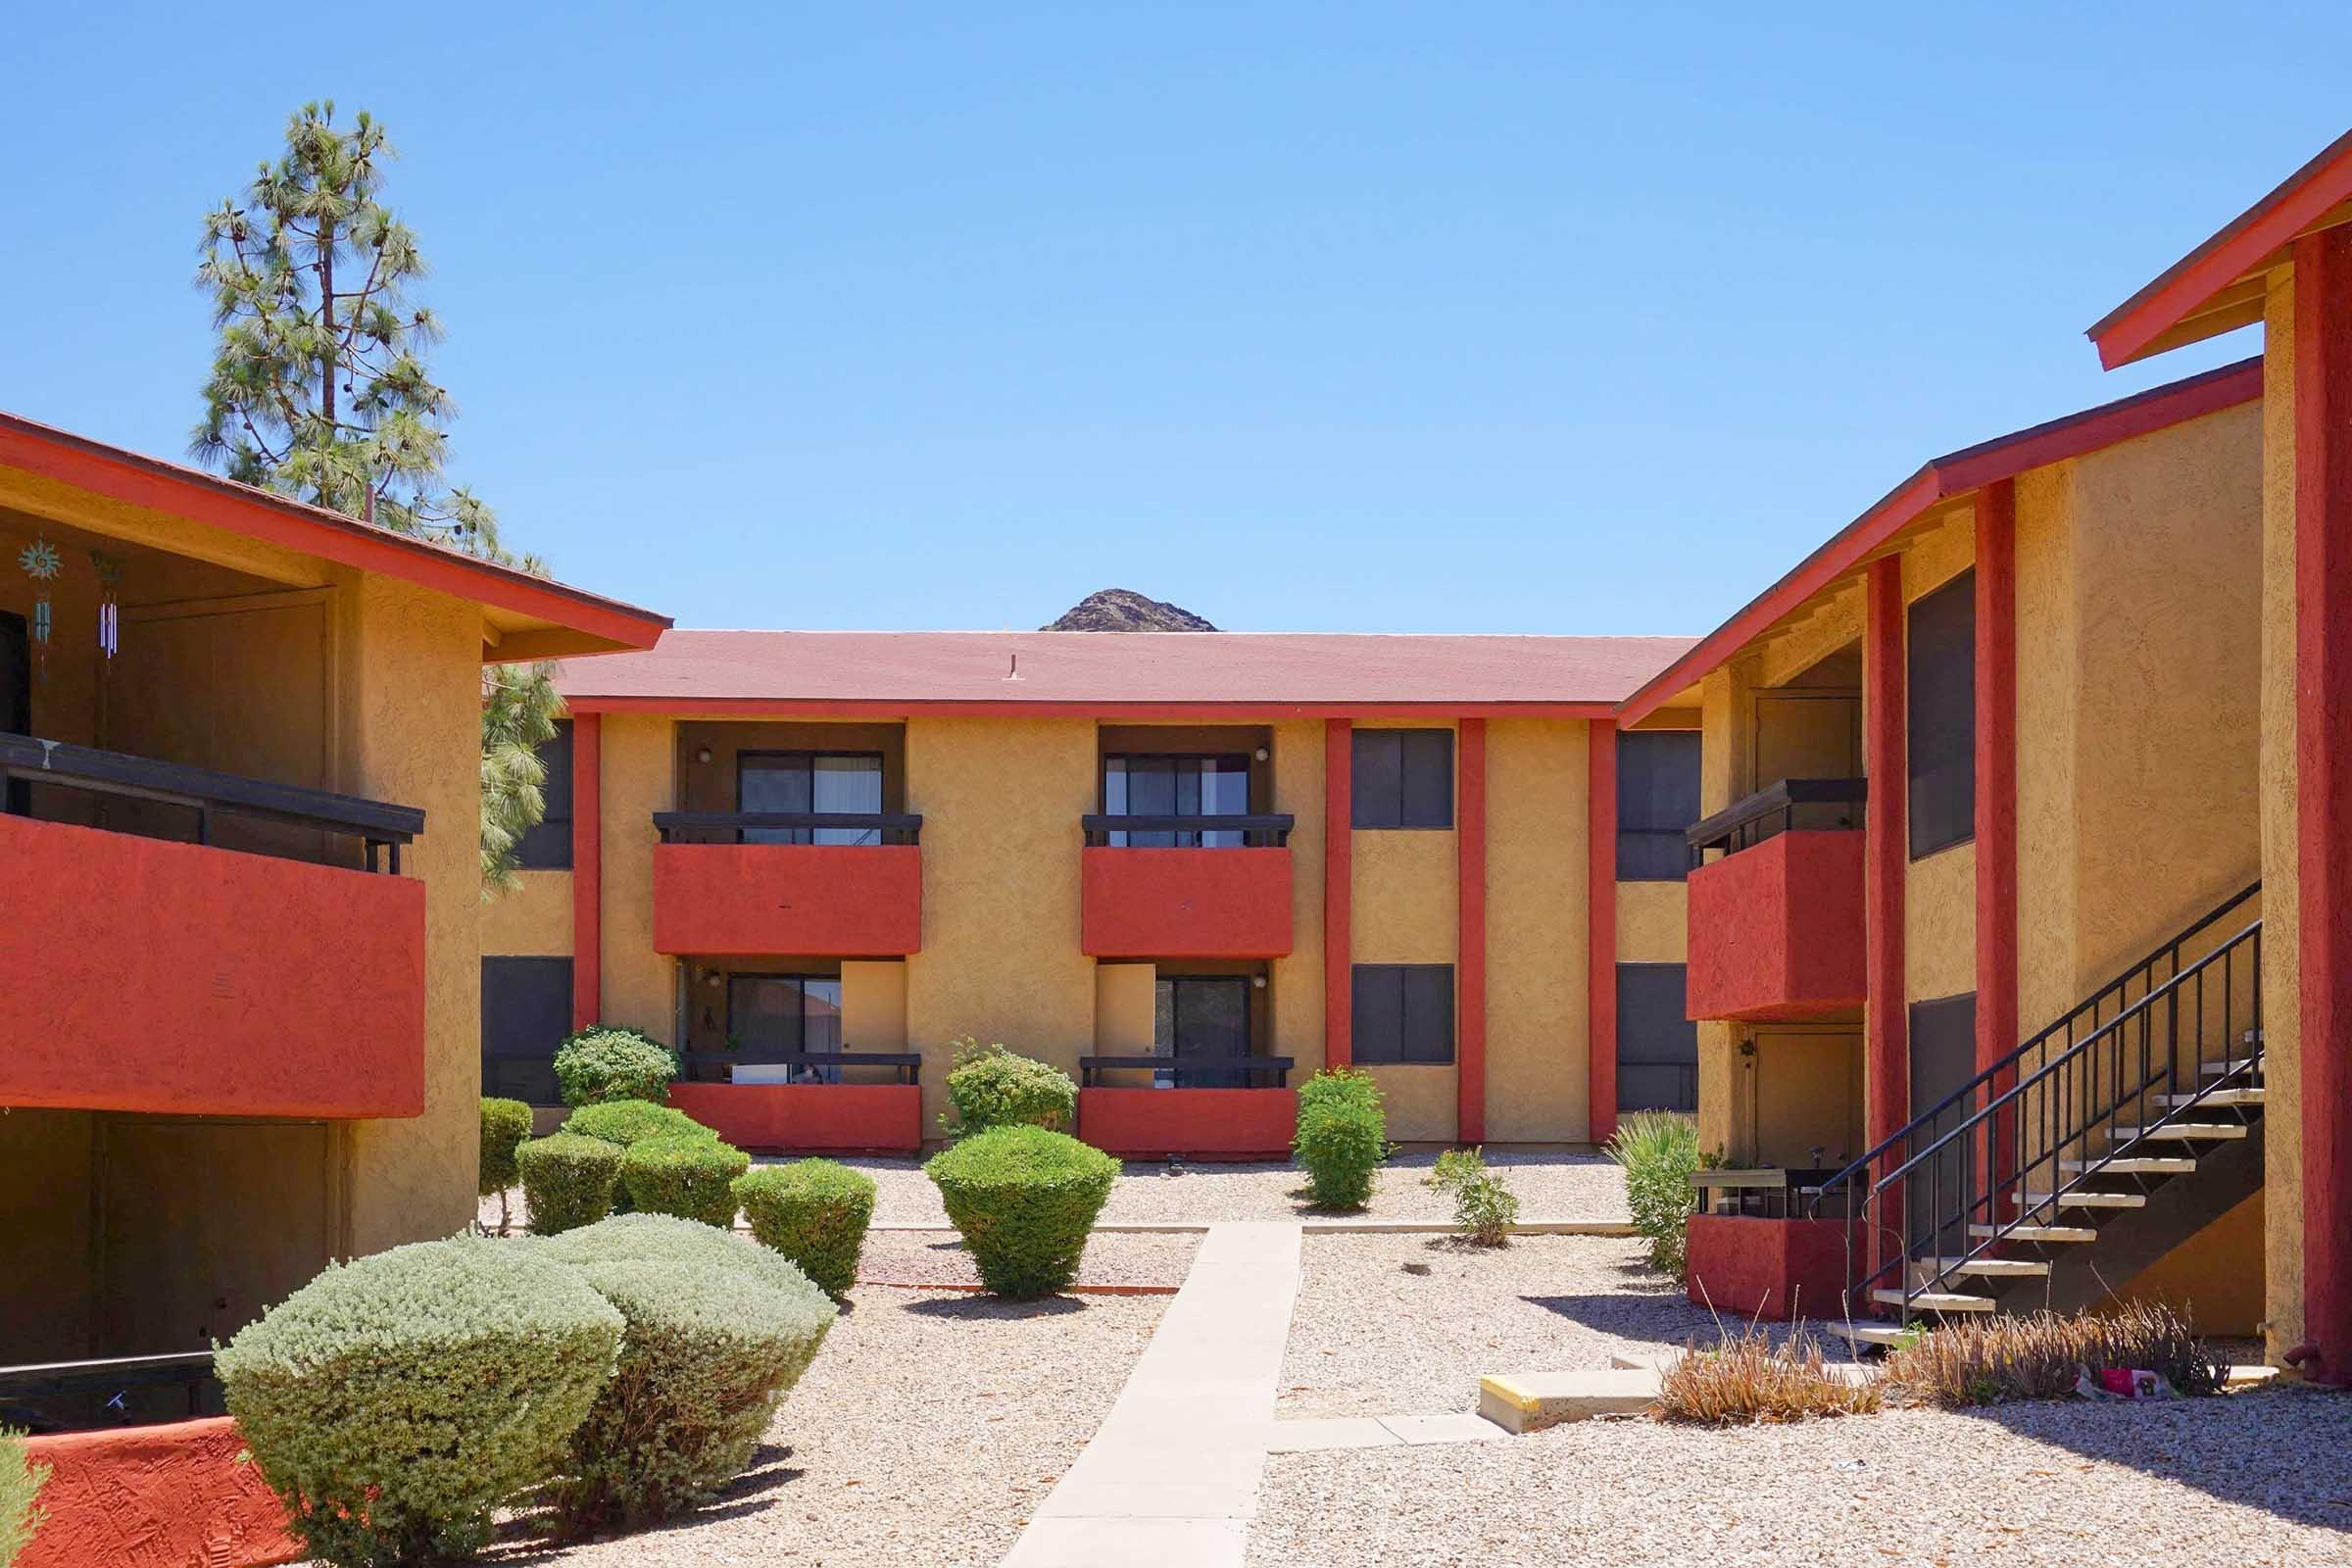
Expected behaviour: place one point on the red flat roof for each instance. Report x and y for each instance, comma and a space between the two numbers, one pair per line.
1113, 674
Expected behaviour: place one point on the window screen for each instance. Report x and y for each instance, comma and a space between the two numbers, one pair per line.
1658, 800
1404, 778
770, 1016
1657, 1046
526, 1012
1942, 712
1200, 1018
1943, 1060
548, 846
1403, 1013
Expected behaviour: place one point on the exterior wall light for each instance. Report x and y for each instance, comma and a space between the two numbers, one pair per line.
702, 754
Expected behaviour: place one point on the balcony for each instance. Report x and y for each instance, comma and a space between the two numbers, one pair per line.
169, 976
1196, 887
1776, 923
1238, 1108
716, 896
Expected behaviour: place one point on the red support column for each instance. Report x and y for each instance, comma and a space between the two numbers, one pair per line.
587, 871
1470, 961
1886, 1072
1601, 928
1339, 869
1996, 807
2323, 395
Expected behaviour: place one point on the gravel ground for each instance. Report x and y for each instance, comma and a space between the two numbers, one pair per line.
2252, 1479
1368, 1338
928, 1428
1112, 1258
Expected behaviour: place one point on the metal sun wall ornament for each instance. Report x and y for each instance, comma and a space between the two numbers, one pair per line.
42, 564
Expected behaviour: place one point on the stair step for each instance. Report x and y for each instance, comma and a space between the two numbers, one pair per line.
2225, 1070
2078, 1200
2219, 1098
1935, 1300
2185, 1131
1884, 1333
2134, 1165
1988, 1267
2036, 1232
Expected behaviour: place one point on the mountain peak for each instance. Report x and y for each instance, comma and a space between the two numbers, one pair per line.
1124, 610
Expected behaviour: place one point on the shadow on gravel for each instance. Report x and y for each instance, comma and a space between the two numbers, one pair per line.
523, 1540
969, 1308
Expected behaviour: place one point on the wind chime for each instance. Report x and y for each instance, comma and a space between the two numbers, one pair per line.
109, 595
42, 562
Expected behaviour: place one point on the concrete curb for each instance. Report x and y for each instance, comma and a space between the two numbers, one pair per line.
969, 1288
1322, 1227
1530, 1402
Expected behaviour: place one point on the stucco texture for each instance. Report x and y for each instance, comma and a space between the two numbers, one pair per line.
532, 920
2282, 879
1404, 908
637, 779
156, 1497
1654, 922
1537, 1017
1295, 980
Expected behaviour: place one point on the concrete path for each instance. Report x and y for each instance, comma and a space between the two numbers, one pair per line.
1170, 1481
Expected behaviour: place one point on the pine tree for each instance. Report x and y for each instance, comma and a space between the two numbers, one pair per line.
319, 389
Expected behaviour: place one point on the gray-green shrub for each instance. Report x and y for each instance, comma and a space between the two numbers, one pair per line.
991, 1086
20, 1482
506, 1123
393, 1402
1659, 1151
1455, 1166
1342, 1137
568, 1180
605, 1061
632, 1121
1024, 1199
685, 1174
1485, 1208
667, 1239
812, 1211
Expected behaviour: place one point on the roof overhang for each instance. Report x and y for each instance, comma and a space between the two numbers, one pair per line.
1938, 481
1196, 712
2218, 286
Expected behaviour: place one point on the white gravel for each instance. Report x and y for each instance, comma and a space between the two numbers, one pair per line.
2252, 1479
1112, 1258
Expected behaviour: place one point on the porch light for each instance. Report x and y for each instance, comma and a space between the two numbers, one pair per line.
702, 754
1261, 753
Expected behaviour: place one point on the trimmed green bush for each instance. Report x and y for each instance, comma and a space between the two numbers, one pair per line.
687, 1175
623, 1122
506, 1123
20, 1482
992, 1087
393, 1403
1341, 1138
812, 1211
1659, 1151
1024, 1199
667, 1239
605, 1061
568, 1180
709, 1354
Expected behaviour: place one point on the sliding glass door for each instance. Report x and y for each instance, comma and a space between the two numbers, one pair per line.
1176, 786
771, 1016
1200, 1018
846, 782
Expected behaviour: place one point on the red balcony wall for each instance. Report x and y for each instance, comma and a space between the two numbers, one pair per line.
1185, 904
823, 1117
847, 901
1772, 1269
1197, 1123
1775, 930
162, 1494
142, 974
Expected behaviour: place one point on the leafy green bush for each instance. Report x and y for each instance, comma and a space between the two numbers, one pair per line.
21, 1483
992, 1087
1024, 1199
605, 1061
506, 1123
1659, 1151
1484, 1208
1341, 1138
632, 1121
814, 1212
685, 1174
568, 1180
1454, 1167
393, 1403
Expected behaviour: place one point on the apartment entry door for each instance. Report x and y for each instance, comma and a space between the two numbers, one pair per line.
1944, 1058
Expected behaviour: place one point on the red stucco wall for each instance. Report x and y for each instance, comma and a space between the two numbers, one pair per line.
160, 1496
847, 901
147, 975
832, 1118
1186, 904
1200, 1123
1760, 1267
1775, 930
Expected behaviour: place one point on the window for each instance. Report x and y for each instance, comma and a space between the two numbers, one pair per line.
810, 781
1154, 785
1403, 1013
548, 846
1942, 714
1657, 1046
1404, 778
526, 1012
1200, 1018
1658, 800
770, 1016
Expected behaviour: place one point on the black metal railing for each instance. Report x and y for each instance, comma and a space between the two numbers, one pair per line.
2007, 1150
26, 762
1775, 808
111, 1391
1189, 1072
1259, 831
808, 1067
789, 828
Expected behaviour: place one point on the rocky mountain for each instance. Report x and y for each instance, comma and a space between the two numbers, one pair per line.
1123, 610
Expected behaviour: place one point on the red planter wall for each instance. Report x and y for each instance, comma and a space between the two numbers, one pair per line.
1197, 1123
1775, 930
1763, 1267
1185, 904
817, 1117
148, 975
165, 1495
842, 900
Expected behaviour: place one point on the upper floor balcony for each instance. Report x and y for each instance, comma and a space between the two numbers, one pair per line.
1776, 920
825, 884
1182, 886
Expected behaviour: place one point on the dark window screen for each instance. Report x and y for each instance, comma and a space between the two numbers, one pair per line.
548, 846
526, 1012
772, 1016
1944, 1058
847, 782
1657, 1046
1159, 785
1943, 711
1404, 778
1657, 801
1402, 1012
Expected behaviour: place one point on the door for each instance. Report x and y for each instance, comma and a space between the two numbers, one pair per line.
1201, 1019
1944, 1058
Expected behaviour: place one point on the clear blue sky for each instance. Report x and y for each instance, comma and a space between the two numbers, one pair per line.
1490, 318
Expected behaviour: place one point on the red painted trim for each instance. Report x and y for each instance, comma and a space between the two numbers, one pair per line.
1996, 792
1600, 931
832, 901
1182, 904
2323, 784
1470, 907
176, 1492
828, 1118
1775, 1268
2246, 243
253, 513
1339, 892
1942, 479
1777, 932
951, 708
1886, 1071
587, 870
1197, 1123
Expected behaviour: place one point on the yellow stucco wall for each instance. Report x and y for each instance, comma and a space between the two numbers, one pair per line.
1405, 907
1654, 922
637, 778
2216, 1276
533, 920
1125, 1011
1725, 716
2047, 692
2281, 1066
1939, 924
1538, 1026
1296, 981
874, 1004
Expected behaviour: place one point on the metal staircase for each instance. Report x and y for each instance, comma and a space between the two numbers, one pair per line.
2083, 1155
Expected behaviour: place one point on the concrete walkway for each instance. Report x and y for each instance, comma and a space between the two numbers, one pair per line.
1170, 1481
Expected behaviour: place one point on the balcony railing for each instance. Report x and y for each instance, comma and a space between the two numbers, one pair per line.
1264, 831
1775, 808
1193, 1072
729, 827
905, 1065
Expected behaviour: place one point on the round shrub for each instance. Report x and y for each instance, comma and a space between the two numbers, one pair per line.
690, 1176
1339, 1086
506, 1123
1024, 1199
393, 1402
568, 1180
665, 1239
605, 1061
812, 1211
1342, 1137
707, 1355
992, 1087
632, 1121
